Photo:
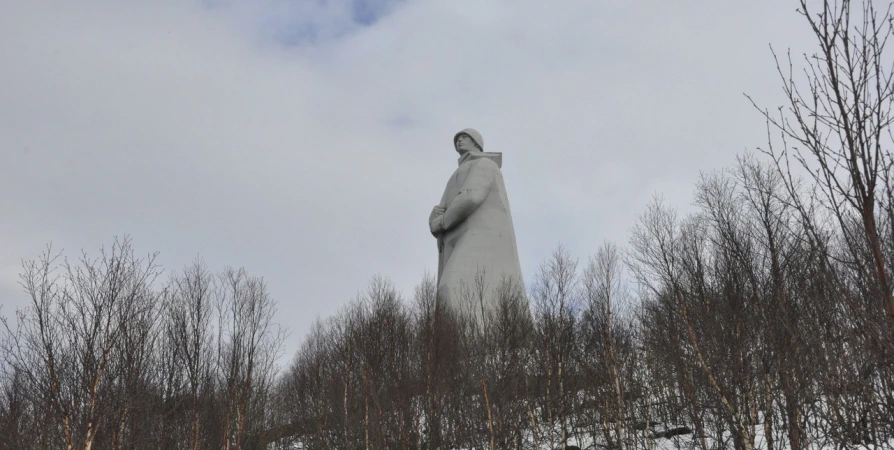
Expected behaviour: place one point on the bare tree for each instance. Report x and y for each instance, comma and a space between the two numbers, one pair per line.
66, 343
836, 129
249, 341
439, 347
18, 418
700, 265
190, 310
556, 304
838, 120
606, 355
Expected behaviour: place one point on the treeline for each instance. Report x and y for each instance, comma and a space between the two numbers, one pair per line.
756, 321
106, 356
755, 324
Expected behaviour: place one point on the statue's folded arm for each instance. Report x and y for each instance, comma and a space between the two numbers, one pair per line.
472, 194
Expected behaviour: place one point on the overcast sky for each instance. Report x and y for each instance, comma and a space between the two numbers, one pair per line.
308, 140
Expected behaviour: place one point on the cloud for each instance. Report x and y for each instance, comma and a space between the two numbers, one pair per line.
308, 140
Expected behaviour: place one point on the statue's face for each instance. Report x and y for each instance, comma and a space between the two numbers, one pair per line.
465, 144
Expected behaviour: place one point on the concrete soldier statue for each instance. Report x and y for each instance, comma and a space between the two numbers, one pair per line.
473, 227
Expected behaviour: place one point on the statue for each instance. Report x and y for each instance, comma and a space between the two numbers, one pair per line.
473, 227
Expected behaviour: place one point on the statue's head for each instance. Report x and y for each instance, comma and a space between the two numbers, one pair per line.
468, 140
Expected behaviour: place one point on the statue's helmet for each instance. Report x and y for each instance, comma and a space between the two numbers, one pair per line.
475, 135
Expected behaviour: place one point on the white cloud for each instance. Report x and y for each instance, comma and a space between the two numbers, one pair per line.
315, 164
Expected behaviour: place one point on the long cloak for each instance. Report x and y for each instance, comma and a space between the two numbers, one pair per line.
478, 249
